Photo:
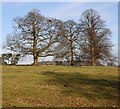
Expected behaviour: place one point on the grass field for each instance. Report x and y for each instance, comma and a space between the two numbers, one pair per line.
60, 86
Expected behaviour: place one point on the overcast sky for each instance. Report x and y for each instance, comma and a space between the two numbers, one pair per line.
64, 11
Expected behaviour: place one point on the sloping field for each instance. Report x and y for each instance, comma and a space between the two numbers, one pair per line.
60, 86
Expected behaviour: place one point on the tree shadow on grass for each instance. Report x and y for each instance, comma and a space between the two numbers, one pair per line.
83, 85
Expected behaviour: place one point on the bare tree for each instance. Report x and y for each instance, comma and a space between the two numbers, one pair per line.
66, 48
33, 34
40, 36
95, 42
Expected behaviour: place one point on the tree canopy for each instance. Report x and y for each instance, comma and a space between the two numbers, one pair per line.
87, 40
95, 42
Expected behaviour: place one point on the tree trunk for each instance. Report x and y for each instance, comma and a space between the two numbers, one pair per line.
93, 57
72, 63
35, 60
93, 61
72, 54
93, 47
35, 54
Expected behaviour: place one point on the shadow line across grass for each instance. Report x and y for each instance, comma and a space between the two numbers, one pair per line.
92, 88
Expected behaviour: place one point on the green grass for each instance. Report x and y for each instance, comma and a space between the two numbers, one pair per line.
60, 86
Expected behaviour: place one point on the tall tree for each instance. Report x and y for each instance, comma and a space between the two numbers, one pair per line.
95, 42
33, 35
66, 48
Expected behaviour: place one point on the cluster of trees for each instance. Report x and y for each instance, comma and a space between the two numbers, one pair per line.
86, 41
9, 58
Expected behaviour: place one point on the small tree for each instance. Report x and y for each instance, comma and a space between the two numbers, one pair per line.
9, 58
15, 58
6, 57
